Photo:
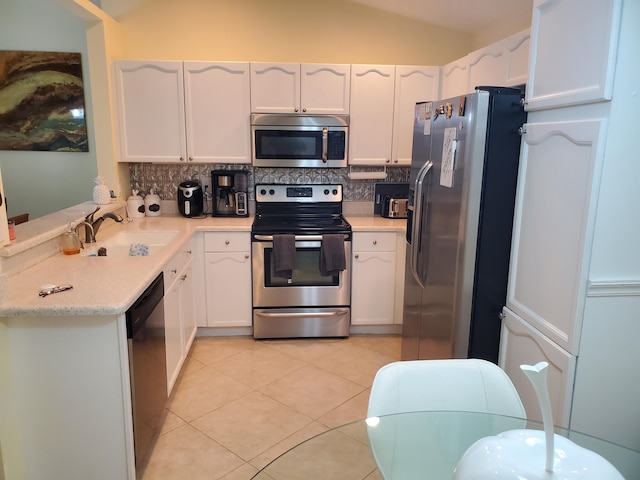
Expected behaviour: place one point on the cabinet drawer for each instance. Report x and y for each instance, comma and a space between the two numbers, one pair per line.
178, 262
227, 242
374, 242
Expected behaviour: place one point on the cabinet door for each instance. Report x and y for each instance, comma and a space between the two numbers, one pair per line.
187, 308
150, 99
455, 78
174, 343
516, 53
324, 89
373, 288
573, 50
412, 85
553, 222
371, 124
487, 66
217, 104
275, 87
521, 344
228, 279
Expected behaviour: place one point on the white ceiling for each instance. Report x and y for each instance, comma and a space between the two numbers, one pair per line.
465, 15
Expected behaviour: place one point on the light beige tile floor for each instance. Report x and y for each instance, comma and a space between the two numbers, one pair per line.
240, 403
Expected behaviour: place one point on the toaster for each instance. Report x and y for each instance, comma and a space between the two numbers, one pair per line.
393, 207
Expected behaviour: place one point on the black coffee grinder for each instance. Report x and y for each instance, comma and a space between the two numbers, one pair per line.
229, 193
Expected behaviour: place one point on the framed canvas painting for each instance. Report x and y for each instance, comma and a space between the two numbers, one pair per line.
42, 102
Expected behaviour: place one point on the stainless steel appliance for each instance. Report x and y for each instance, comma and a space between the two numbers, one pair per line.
282, 140
306, 300
147, 367
229, 193
190, 199
460, 214
394, 207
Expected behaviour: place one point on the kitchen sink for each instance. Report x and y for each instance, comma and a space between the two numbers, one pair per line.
120, 244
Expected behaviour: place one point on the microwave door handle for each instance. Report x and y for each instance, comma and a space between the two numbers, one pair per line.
325, 143
416, 232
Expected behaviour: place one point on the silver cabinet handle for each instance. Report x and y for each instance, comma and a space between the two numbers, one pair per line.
375, 242
174, 270
183, 277
298, 238
333, 313
246, 255
356, 256
421, 191
227, 242
325, 144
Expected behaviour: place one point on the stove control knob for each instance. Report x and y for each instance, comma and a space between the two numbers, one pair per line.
272, 192
335, 191
263, 191
326, 191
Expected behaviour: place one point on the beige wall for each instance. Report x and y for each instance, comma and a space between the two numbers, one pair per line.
331, 31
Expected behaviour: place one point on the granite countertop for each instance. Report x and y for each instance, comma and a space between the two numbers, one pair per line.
110, 285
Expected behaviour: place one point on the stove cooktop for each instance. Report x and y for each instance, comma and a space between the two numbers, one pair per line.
299, 209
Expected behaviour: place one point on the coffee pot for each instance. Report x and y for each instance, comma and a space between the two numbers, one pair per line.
229, 193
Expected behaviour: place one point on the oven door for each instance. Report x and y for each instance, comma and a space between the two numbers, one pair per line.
307, 287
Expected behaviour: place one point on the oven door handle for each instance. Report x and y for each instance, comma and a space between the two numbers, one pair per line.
325, 144
298, 238
333, 313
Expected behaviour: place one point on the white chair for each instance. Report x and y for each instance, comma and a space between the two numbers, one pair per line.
406, 446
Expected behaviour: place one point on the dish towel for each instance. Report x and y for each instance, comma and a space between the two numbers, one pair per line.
332, 259
284, 255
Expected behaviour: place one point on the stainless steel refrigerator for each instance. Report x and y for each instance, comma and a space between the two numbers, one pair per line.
460, 215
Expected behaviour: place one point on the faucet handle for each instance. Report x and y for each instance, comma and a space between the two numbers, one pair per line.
89, 218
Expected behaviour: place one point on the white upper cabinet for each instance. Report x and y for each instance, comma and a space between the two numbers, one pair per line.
171, 114
558, 74
455, 78
487, 66
516, 53
501, 64
413, 84
553, 223
217, 106
325, 89
371, 122
295, 88
275, 87
151, 108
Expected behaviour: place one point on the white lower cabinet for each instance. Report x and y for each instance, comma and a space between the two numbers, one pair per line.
228, 279
179, 312
373, 278
522, 344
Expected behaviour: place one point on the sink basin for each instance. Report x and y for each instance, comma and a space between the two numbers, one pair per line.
120, 243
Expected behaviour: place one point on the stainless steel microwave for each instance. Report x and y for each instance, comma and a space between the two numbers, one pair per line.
313, 141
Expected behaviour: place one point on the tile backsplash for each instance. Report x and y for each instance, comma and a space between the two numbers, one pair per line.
165, 178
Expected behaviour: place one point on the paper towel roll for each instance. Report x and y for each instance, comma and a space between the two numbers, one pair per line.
367, 175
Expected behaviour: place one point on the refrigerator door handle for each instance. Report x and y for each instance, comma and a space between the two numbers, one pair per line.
416, 231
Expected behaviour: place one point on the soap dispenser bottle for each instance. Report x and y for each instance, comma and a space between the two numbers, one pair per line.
70, 241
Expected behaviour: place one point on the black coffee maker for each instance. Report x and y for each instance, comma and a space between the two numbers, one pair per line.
190, 199
229, 193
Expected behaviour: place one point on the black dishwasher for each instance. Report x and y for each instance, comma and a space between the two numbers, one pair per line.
147, 367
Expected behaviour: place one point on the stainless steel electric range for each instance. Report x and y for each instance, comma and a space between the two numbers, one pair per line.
301, 262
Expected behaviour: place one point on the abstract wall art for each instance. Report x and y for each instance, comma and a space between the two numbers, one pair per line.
42, 102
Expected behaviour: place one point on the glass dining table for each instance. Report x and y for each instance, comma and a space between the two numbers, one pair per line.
418, 445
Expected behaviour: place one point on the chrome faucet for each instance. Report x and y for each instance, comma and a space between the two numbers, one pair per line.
92, 226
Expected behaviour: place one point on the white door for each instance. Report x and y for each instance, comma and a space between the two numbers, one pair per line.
150, 98
558, 75
371, 124
487, 66
553, 222
516, 52
412, 85
522, 344
324, 89
218, 106
455, 78
228, 280
275, 87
